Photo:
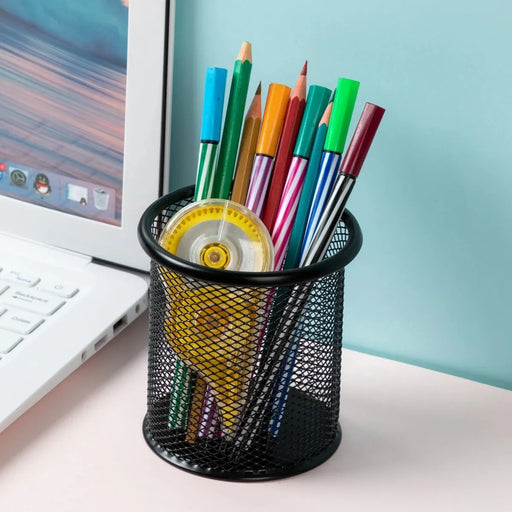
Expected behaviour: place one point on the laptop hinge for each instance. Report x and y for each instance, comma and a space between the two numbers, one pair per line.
39, 251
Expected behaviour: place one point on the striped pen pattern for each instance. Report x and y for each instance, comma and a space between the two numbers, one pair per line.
328, 171
260, 178
181, 390
206, 165
209, 416
330, 218
288, 209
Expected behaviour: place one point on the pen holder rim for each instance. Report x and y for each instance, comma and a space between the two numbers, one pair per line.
239, 278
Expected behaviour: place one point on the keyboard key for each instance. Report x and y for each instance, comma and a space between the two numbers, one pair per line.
8, 340
19, 321
32, 300
3, 287
59, 288
21, 278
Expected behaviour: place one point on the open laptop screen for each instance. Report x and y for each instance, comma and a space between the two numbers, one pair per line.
62, 105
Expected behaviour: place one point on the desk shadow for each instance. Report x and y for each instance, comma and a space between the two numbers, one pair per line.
88, 379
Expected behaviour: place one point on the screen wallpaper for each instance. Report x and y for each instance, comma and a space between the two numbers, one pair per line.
62, 104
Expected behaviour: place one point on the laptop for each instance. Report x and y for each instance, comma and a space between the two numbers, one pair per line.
84, 118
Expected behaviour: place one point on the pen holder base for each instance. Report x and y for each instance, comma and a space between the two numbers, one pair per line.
244, 368
280, 459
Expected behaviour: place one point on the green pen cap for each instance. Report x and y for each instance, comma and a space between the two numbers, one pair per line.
317, 100
342, 108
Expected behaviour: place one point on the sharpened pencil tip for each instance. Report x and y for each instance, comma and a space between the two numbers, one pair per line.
258, 90
304, 69
326, 117
245, 52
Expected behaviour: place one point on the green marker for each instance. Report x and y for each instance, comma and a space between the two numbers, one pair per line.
342, 108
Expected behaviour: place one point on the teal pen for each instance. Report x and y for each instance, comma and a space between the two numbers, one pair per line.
306, 197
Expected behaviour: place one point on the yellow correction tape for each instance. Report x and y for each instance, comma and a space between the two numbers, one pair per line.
219, 234
213, 329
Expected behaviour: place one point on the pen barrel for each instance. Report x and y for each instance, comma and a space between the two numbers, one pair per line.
306, 199
329, 220
205, 167
287, 209
258, 186
329, 165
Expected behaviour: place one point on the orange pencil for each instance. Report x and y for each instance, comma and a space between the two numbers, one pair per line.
292, 120
247, 149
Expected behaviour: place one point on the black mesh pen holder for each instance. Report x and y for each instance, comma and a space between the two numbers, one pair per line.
244, 367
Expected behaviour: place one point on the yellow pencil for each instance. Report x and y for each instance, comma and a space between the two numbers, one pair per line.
247, 149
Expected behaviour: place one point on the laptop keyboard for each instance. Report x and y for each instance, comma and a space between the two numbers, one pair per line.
26, 302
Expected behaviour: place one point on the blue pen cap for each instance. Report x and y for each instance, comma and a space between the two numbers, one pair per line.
213, 103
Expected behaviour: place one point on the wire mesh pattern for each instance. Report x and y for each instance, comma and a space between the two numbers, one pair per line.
243, 380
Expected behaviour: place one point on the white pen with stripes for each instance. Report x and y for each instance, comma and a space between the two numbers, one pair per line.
288, 209
260, 178
284, 341
329, 167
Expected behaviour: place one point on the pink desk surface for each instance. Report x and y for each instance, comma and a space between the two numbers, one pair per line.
413, 440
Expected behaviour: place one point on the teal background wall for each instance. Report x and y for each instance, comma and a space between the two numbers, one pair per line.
432, 284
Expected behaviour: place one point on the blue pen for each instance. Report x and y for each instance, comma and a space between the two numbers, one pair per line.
213, 104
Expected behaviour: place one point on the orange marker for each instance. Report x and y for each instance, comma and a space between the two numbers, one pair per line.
273, 118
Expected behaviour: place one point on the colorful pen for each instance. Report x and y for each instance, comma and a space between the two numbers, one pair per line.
271, 125
318, 98
191, 387
343, 106
213, 103
308, 189
320, 95
350, 168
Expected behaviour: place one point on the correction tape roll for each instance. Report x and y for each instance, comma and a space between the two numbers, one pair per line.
215, 330
219, 234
